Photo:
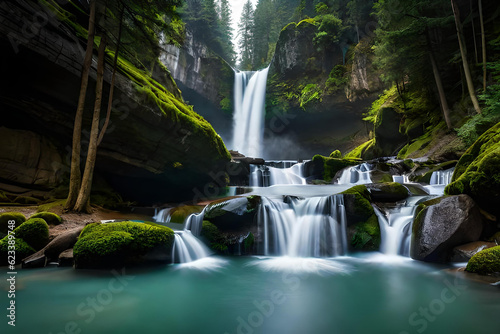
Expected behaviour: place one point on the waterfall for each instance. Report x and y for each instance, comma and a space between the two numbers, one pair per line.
248, 118
188, 248
395, 227
442, 177
312, 227
359, 174
265, 176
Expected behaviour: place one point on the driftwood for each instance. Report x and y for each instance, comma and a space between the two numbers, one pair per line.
52, 250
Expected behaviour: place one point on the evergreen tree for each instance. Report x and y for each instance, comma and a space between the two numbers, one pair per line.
263, 17
226, 31
245, 32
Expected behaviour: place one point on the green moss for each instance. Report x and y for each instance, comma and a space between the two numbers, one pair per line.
336, 154
389, 192
179, 214
311, 93
49, 217
35, 232
367, 235
495, 238
22, 250
214, 237
248, 243
485, 262
129, 243
477, 173
421, 145
333, 165
27, 200
360, 152
52, 206
6, 217
362, 205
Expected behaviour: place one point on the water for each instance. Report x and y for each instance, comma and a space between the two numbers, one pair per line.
439, 180
188, 248
248, 117
359, 174
265, 176
395, 226
344, 295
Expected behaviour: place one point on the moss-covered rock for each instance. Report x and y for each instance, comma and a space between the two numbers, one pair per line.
27, 200
331, 166
117, 244
49, 217
359, 201
485, 262
35, 232
179, 214
388, 192
336, 154
366, 235
477, 173
213, 236
18, 217
495, 238
363, 151
22, 250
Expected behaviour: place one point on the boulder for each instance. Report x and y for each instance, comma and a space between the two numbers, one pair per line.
49, 217
464, 253
66, 258
114, 245
485, 262
387, 192
442, 224
9, 216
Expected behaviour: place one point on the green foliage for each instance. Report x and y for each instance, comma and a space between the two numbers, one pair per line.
362, 197
5, 217
35, 232
321, 8
360, 151
485, 262
226, 105
179, 214
214, 236
333, 165
337, 79
372, 114
310, 94
108, 245
329, 31
49, 217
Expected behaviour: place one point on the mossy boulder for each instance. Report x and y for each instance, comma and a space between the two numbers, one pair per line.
18, 217
179, 214
336, 154
365, 235
442, 224
363, 229
234, 214
22, 250
122, 243
226, 242
495, 238
329, 167
485, 262
26, 200
34, 231
477, 173
363, 151
388, 192
49, 217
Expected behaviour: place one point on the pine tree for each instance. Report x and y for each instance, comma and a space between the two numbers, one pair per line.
245, 31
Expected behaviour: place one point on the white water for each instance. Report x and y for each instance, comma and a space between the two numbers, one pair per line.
265, 176
395, 227
248, 118
312, 227
442, 177
359, 174
188, 248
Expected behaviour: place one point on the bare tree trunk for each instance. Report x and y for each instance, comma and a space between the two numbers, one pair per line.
463, 52
75, 176
113, 76
483, 42
474, 33
442, 95
83, 201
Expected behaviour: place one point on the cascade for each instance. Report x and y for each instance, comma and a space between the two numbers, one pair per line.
395, 227
248, 118
441, 177
359, 174
265, 176
312, 227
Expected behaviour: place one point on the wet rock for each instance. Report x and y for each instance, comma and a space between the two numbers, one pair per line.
442, 224
66, 258
388, 192
464, 253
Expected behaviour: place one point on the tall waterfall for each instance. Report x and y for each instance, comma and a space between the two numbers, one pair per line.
312, 227
248, 118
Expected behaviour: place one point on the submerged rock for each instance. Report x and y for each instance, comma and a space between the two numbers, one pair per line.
442, 224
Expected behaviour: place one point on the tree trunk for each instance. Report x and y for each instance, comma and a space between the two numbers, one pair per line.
483, 42
473, 32
83, 201
75, 176
113, 76
463, 52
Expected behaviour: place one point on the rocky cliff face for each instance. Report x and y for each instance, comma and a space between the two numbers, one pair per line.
324, 92
147, 154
